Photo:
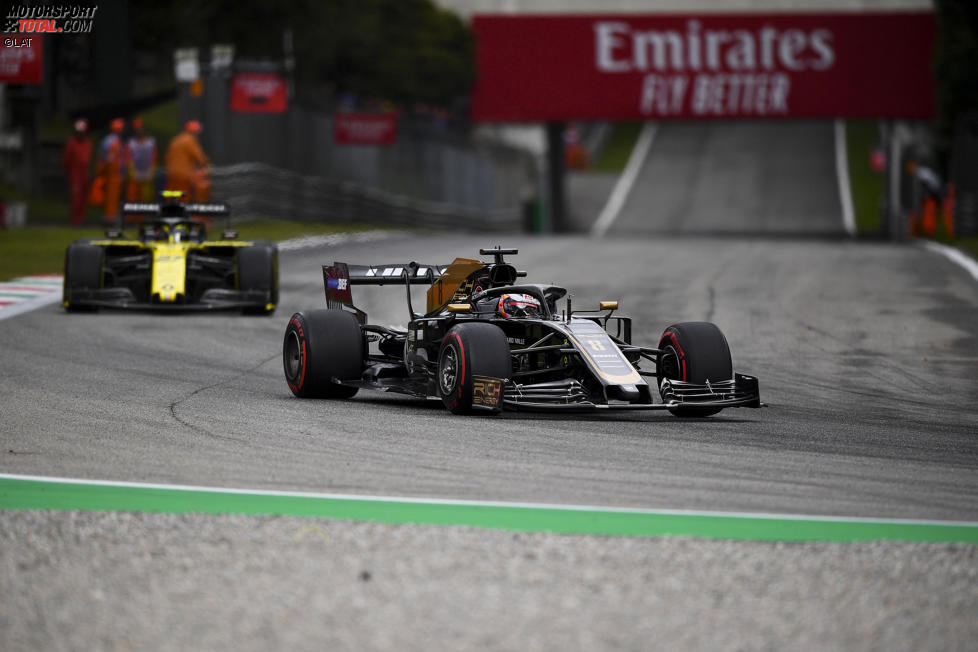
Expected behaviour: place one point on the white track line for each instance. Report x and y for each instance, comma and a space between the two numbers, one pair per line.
842, 174
952, 254
477, 503
624, 186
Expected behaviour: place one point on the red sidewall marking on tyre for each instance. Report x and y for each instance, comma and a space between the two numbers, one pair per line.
682, 355
302, 361
461, 358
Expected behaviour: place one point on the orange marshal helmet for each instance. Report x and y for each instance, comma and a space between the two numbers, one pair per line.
117, 125
193, 126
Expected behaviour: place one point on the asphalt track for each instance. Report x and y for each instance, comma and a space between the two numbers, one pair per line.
736, 178
866, 353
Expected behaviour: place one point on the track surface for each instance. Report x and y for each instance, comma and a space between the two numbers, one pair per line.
736, 177
867, 354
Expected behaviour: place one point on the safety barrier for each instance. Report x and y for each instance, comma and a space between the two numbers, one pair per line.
257, 190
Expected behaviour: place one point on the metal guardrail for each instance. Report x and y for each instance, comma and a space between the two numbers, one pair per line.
257, 190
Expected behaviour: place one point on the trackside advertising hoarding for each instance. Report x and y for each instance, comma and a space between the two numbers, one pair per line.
703, 66
22, 60
364, 128
259, 92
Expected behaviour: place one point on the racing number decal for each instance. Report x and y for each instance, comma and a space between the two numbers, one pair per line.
487, 391
596, 345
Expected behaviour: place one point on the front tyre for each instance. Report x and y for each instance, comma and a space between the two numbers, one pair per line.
694, 352
469, 350
83, 271
321, 345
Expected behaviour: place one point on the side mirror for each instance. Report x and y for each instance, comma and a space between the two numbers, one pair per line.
608, 305
229, 234
458, 307
113, 234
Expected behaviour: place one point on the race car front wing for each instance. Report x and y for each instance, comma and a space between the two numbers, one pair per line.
212, 299
740, 391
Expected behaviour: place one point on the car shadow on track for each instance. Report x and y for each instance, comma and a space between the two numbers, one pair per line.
433, 406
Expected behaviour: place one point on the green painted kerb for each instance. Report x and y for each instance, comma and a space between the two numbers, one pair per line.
34, 494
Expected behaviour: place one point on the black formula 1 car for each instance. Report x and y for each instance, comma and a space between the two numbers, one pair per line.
171, 264
486, 342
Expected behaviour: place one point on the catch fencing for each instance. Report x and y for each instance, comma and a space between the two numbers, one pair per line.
257, 190
287, 165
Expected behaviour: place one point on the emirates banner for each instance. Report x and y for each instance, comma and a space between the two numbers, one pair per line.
22, 60
364, 128
259, 92
703, 66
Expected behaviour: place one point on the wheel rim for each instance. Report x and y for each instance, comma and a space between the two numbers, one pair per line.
669, 364
448, 370
293, 356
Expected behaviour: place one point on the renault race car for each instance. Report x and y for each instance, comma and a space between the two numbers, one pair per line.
485, 343
171, 264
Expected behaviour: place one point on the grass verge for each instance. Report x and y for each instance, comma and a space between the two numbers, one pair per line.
868, 186
618, 148
162, 122
49, 211
41, 250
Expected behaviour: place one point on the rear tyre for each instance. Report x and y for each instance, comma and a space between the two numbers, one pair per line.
473, 349
694, 352
321, 345
258, 270
83, 271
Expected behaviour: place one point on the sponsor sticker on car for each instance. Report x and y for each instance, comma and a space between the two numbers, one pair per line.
487, 392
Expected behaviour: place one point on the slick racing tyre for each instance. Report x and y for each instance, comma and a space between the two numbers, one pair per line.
467, 351
83, 271
258, 270
694, 352
321, 345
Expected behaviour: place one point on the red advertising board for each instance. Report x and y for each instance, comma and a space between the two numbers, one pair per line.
21, 60
259, 92
364, 128
703, 66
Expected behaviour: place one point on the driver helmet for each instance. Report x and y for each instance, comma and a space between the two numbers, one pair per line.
518, 305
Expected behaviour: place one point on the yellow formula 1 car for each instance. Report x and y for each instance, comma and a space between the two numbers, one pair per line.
172, 264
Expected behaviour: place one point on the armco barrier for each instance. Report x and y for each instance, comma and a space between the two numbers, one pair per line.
256, 190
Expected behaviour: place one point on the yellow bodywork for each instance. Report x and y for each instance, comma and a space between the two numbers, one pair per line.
169, 279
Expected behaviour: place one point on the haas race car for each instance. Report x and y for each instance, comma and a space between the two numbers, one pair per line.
171, 264
486, 342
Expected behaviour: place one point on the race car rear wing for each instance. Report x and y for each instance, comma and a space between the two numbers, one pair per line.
155, 208
446, 282
390, 273
339, 277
